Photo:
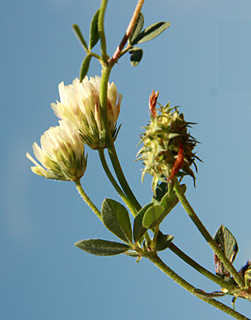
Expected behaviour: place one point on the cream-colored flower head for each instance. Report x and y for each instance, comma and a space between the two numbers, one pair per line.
61, 153
80, 103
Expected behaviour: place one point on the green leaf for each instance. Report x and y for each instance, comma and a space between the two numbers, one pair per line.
94, 34
163, 241
228, 245
165, 199
137, 29
116, 219
84, 67
80, 36
138, 228
151, 32
102, 247
152, 215
169, 201
161, 190
136, 56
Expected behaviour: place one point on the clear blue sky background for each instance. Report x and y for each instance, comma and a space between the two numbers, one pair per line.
202, 63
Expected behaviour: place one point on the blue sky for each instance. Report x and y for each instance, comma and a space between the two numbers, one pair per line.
202, 63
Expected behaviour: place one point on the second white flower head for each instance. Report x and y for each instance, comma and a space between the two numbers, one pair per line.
61, 153
80, 103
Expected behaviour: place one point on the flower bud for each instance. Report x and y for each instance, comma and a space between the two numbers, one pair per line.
80, 103
167, 146
61, 153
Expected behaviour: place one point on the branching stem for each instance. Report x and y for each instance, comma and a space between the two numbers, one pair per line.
129, 30
206, 234
201, 269
183, 283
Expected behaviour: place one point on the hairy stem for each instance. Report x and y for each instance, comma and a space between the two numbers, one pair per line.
201, 269
120, 175
183, 283
87, 199
207, 235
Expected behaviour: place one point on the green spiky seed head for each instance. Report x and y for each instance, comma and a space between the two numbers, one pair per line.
167, 145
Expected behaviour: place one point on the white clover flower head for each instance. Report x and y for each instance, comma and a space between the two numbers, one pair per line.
80, 103
61, 154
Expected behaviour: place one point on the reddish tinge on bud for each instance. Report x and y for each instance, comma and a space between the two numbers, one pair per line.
152, 102
178, 162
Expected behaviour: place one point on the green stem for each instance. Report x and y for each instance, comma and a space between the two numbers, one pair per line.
118, 189
109, 139
106, 71
183, 283
101, 30
87, 199
104, 117
120, 175
200, 269
95, 55
114, 183
206, 234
